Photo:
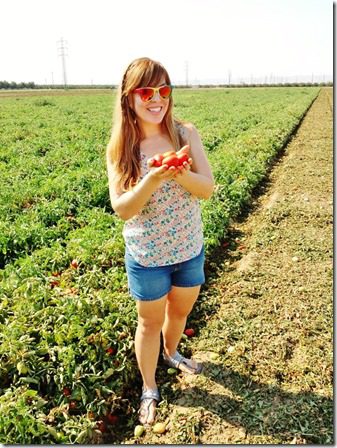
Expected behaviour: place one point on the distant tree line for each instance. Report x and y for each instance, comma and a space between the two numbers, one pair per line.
285, 84
31, 85
14, 85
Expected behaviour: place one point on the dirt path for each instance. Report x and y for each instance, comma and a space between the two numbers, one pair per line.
267, 349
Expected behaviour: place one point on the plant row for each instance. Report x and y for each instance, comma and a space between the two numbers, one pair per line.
67, 323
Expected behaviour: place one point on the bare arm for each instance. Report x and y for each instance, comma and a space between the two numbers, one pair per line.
130, 203
199, 179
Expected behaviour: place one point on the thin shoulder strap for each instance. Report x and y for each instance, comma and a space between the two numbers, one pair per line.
182, 134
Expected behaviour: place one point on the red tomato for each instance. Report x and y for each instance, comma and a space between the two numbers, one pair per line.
157, 159
189, 332
111, 351
72, 404
112, 419
183, 158
74, 264
54, 283
101, 426
171, 160
66, 391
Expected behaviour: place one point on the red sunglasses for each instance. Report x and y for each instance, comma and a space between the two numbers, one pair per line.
147, 93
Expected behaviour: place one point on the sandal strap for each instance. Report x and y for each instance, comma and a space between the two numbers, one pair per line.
173, 361
177, 359
150, 394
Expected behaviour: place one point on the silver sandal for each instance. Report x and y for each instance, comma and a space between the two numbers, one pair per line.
146, 400
177, 361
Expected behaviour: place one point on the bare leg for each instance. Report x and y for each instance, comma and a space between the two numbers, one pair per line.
179, 304
151, 316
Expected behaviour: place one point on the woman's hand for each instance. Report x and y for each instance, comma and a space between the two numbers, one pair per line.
163, 172
185, 168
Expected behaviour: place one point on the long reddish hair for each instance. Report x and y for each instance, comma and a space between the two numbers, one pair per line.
123, 149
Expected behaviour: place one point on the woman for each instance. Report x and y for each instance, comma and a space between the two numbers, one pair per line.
164, 254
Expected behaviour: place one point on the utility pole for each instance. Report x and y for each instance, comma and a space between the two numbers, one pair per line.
229, 77
186, 72
62, 48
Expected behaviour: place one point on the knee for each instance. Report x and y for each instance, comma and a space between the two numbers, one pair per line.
177, 313
150, 325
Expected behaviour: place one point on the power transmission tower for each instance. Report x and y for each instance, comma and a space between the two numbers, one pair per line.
186, 72
62, 48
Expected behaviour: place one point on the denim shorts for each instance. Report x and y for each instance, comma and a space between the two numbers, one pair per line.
151, 283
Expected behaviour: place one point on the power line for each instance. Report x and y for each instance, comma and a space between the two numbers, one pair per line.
62, 48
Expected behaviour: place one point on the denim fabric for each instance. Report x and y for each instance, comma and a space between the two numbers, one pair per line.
151, 283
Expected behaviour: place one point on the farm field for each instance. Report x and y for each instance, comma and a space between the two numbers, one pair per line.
267, 350
68, 372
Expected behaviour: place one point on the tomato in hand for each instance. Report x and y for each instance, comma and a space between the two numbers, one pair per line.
171, 161
182, 158
157, 160
172, 158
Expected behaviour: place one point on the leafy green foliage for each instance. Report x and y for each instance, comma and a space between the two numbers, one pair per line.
66, 320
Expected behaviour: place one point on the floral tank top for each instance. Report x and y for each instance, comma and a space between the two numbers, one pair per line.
168, 229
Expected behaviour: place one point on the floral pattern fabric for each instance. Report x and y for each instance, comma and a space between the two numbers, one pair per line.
168, 230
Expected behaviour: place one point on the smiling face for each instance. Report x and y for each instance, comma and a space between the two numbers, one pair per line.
151, 112
144, 118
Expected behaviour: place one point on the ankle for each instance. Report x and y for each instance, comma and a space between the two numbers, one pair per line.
172, 354
149, 386
169, 352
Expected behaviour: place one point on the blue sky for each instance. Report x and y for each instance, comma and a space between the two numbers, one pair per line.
201, 40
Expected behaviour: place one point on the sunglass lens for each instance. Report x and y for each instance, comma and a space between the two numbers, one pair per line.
165, 91
146, 94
